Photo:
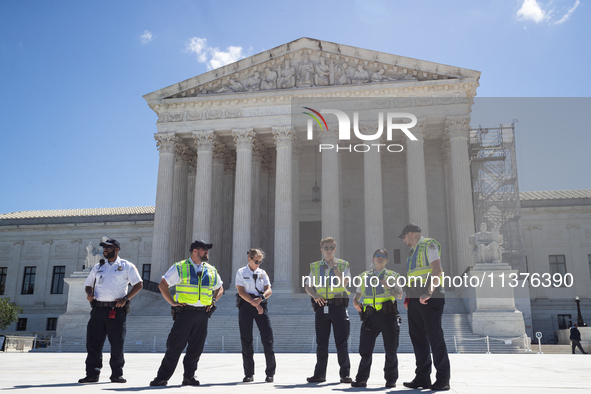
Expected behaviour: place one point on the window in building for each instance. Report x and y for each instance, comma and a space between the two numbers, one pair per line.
557, 264
57, 283
564, 322
29, 280
51, 323
146, 269
397, 256
21, 325
588, 258
3, 272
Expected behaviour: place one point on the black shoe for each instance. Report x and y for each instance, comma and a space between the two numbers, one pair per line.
346, 379
416, 384
89, 379
248, 379
158, 382
390, 384
315, 379
359, 384
190, 381
269, 379
438, 386
120, 379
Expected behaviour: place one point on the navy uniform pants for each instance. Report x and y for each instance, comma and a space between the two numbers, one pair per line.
386, 324
246, 314
426, 334
100, 326
338, 318
189, 329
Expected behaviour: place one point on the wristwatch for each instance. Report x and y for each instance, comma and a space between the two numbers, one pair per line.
263, 297
125, 298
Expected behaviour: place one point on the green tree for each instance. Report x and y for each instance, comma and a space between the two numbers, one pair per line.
9, 312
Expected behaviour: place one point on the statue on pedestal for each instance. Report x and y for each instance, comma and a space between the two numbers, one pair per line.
93, 256
486, 245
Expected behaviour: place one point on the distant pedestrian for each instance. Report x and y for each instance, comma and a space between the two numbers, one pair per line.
575, 338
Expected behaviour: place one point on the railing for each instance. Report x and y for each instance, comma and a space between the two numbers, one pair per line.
526, 343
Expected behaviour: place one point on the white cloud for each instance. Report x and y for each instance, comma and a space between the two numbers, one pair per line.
214, 57
146, 37
569, 13
534, 11
530, 9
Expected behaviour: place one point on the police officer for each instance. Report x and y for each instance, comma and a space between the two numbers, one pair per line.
378, 293
330, 305
198, 286
106, 289
425, 309
254, 289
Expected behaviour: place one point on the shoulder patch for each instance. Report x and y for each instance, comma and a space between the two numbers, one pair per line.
432, 246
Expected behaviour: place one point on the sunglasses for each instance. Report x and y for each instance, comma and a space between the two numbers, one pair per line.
258, 261
378, 255
327, 248
108, 247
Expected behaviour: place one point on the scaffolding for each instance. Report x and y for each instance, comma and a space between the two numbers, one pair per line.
495, 188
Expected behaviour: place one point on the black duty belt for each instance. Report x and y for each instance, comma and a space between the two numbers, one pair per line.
102, 304
194, 308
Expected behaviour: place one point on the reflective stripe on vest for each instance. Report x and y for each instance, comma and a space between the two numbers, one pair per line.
318, 275
194, 287
418, 261
376, 296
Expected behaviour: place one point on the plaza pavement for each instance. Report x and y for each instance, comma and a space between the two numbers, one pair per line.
48, 373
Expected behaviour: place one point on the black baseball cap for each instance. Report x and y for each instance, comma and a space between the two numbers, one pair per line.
409, 228
111, 242
200, 244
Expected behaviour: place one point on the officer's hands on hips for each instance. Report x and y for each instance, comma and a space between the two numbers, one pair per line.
177, 304
358, 306
424, 298
89, 297
209, 307
120, 302
260, 309
319, 300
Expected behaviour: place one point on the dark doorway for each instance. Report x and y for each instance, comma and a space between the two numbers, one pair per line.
309, 248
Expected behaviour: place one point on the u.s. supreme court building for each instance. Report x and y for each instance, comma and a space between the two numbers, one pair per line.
236, 169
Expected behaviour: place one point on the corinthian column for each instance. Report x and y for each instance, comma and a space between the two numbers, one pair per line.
178, 225
416, 179
243, 139
374, 208
283, 136
163, 214
202, 212
227, 216
190, 200
295, 170
258, 151
330, 186
219, 156
457, 129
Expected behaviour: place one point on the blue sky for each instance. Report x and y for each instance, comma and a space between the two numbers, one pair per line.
78, 134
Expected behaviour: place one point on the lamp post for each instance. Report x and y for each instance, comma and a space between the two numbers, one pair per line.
580, 321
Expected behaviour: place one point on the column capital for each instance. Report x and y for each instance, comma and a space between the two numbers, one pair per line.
369, 127
243, 138
230, 164
283, 135
330, 135
419, 130
457, 126
192, 162
204, 140
166, 143
258, 150
219, 151
182, 154
297, 149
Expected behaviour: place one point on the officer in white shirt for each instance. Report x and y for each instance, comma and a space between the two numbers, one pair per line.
254, 288
198, 286
106, 289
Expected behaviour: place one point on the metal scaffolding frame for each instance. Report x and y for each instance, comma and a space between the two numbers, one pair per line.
495, 188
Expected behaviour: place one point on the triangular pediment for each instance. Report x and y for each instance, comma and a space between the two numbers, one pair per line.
308, 63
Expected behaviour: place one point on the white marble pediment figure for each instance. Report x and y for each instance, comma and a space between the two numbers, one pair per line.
305, 64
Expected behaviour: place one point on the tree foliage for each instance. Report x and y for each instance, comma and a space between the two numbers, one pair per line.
9, 312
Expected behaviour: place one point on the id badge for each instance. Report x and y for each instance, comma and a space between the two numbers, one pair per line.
326, 309
100, 281
112, 313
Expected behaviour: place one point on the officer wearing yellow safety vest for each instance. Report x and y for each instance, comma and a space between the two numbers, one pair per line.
198, 286
378, 293
327, 285
426, 300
